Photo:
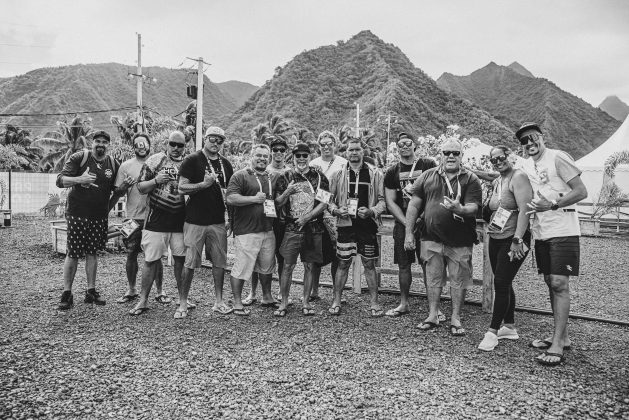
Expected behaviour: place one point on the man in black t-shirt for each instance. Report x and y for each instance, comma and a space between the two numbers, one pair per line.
163, 227
204, 176
398, 183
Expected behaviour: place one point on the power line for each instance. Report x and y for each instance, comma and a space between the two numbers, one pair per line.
70, 112
25, 45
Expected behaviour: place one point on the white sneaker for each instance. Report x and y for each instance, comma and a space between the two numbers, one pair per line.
489, 342
508, 333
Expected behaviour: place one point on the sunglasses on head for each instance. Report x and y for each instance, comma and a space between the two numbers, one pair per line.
278, 150
498, 159
454, 153
533, 137
176, 144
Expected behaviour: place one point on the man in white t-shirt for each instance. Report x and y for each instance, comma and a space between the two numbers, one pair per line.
329, 163
557, 186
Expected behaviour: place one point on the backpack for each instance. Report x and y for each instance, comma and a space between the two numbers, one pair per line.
86, 156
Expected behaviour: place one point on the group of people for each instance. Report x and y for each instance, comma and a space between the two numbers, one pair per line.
327, 211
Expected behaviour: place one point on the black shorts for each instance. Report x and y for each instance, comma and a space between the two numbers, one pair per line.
134, 242
85, 236
350, 241
559, 256
402, 257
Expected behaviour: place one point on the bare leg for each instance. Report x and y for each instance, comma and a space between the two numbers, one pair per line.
236, 285
372, 281
285, 281
265, 282
340, 279
159, 279
458, 298
312, 271
219, 278
131, 268
561, 295
434, 296
69, 272
405, 279
254, 286
91, 263
148, 275
183, 285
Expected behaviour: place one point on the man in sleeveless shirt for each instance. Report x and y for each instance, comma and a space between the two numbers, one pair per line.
557, 187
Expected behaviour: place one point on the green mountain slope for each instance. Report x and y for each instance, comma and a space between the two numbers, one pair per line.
101, 86
318, 89
569, 123
615, 107
238, 91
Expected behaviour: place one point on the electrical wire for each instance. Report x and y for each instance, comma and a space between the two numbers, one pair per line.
70, 112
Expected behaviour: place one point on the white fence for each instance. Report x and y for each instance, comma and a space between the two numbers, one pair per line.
29, 190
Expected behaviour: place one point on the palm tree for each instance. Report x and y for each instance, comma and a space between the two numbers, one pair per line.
18, 150
73, 138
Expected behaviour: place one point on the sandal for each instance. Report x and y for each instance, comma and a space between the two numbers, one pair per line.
249, 301
242, 312
179, 314
540, 359
427, 326
223, 309
281, 313
163, 299
335, 310
376, 313
457, 331
308, 311
128, 298
137, 311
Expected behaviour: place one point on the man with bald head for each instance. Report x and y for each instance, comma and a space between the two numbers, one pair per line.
449, 197
163, 228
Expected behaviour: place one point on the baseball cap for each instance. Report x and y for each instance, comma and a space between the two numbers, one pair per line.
301, 148
103, 134
404, 135
215, 131
527, 126
278, 141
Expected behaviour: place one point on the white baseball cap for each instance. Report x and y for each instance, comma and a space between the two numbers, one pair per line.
215, 131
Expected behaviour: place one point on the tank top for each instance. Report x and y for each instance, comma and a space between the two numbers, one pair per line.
505, 198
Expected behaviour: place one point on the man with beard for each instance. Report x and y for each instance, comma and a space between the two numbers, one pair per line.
204, 176
91, 176
165, 218
449, 196
277, 166
302, 191
136, 208
398, 186
358, 202
250, 192
329, 162
557, 188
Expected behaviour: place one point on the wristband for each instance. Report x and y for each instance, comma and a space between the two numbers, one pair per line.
554, 205
517, 240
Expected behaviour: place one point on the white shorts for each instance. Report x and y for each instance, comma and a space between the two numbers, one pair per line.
155, 244
253, 252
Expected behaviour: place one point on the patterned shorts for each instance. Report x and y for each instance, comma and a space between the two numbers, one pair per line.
85, 236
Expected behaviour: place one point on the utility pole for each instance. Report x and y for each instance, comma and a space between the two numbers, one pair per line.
388, 116
199, 125
357, 119
139, 81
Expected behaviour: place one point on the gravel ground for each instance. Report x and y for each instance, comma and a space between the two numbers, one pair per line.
98, 362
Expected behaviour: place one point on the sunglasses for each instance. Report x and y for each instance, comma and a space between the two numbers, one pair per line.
301, 155
326, 144
533, 138
405, 143
454, 153
498, 159
213, 139
176, 144
278, 150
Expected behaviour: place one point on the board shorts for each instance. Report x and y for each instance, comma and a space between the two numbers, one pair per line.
560, 256
85, 236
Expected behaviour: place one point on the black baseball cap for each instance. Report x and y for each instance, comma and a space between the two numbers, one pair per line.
404, 135
101, 133
278, 141
301, 148
527, 126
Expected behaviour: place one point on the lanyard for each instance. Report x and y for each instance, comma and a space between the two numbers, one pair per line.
308, 182
260, 184
329, 166
209, 163
356, 183
458, 181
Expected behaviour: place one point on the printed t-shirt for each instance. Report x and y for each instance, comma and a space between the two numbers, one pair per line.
170, 217
398, 177
329, 168
251, 218
303, 201
440, 224
206, 207
84, 201
136, 203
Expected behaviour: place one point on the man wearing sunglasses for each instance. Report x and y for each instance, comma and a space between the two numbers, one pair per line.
398, 185
163, 228
557, 187
204, 177
300, 194
449, 197
136, 209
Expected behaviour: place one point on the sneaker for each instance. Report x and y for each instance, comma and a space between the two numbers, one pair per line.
489, 342
67, 300
94, 297
507, 333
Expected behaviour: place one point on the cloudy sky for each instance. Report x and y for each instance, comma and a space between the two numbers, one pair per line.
582, 46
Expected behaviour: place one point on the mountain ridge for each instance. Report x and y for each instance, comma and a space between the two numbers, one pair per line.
615, 107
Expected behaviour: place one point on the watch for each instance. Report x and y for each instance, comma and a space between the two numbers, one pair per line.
554, 205
517, 240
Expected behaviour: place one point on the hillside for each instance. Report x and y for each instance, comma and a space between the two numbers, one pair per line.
318, 89
519, 68
239, 92
569, 122
615, 107
100, 86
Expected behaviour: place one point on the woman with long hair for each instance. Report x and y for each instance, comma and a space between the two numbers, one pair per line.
509, 242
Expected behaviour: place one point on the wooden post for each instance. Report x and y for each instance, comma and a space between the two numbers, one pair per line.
488, 274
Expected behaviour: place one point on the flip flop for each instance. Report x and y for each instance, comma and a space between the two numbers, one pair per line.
281, 313
308, 311
314, 298
457, 331
179, 314
545, 345
376, 313
163, 299
223, 309
191, 304
128, 298
137, 311
441, 317
427, 326
242, 312
394, 313
249, 301
541, 361
270, 305
335, 310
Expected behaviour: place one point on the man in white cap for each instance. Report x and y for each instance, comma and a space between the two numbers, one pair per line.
204, 176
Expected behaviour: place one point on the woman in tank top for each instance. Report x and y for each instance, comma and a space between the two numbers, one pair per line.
509, 242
